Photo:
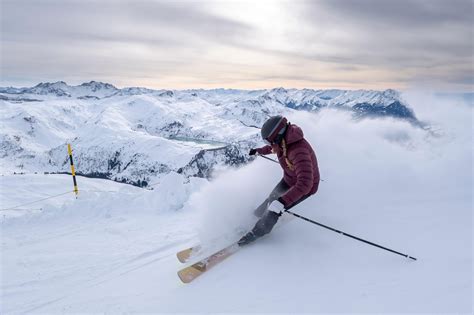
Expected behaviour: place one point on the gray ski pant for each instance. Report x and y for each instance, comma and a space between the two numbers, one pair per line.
276, 193
268, 219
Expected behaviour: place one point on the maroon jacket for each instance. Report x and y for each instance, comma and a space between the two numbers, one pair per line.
303, 178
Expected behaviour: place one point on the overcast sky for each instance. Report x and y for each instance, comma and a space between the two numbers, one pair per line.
352, 44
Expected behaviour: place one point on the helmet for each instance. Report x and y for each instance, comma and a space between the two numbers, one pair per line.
273, 130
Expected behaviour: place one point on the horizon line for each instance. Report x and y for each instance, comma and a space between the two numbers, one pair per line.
236, 89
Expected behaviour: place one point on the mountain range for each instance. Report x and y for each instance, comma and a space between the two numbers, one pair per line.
136, 135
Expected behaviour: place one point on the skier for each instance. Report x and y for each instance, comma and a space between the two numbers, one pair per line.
300, 173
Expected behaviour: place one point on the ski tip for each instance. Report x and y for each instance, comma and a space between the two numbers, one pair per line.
182, 278
188, 274
181, 260
184, 255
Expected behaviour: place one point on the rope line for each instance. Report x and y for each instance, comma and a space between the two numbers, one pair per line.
95, 190
32, 202
26, 209
55, 196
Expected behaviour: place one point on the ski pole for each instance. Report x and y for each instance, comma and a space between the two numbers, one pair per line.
265, 157
349, 235
270, 159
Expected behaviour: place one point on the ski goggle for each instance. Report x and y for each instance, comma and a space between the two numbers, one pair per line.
278, 137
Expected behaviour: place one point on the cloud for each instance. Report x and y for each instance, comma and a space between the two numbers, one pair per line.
151, 22
409, 33
240, 44
60, 38
407, 14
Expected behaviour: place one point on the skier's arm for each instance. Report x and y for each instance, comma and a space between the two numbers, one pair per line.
301, 159
265, 150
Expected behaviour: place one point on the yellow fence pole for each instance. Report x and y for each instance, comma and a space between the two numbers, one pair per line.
73, 172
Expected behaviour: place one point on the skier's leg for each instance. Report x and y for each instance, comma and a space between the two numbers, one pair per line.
262, 208
263, 226
299, 201
266, 224
276, 193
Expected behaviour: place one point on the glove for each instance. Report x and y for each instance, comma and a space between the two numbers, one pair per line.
253, 151
277, 206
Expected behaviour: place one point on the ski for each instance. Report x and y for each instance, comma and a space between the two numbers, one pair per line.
190, 273
185, 254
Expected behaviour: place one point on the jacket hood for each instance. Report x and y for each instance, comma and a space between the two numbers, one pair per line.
293, 134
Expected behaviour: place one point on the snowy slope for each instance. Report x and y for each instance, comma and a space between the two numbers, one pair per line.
385, 180
138, 135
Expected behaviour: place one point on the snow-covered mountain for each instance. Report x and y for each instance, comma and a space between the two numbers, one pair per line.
91, 89
136, 135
